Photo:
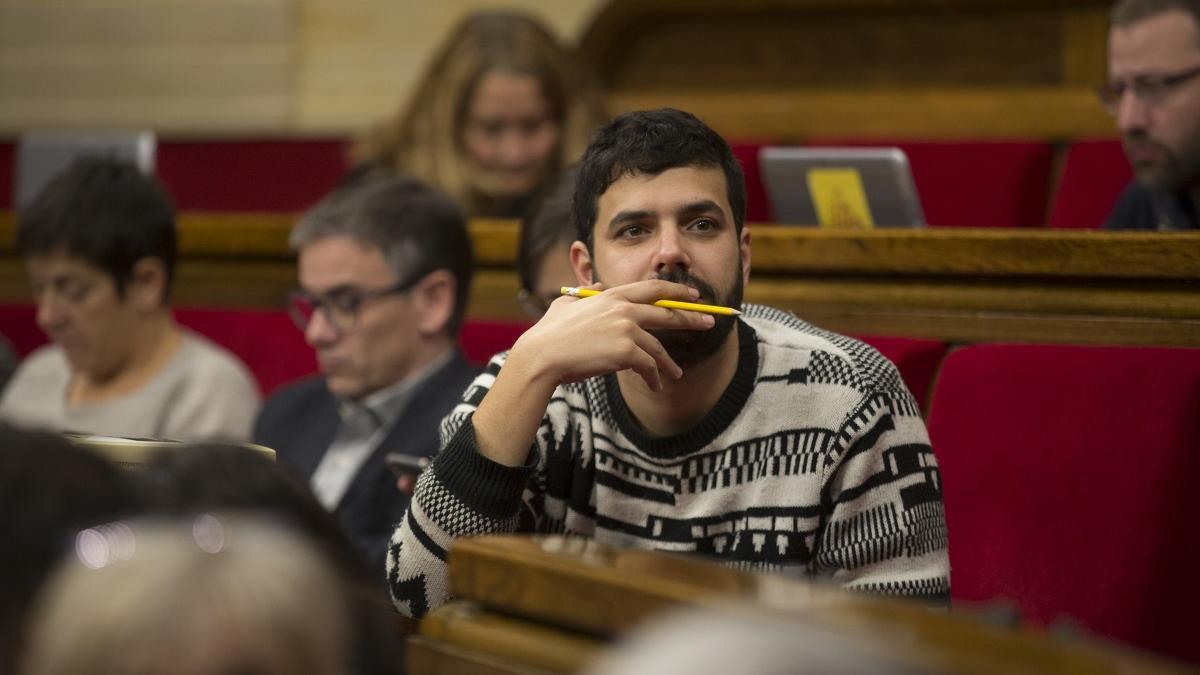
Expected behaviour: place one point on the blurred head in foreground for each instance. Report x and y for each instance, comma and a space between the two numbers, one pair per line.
211, 597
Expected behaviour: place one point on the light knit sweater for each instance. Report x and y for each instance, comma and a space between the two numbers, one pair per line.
815, 460
202, 393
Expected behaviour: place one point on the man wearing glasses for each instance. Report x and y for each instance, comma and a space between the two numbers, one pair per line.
384, 269
1154, 94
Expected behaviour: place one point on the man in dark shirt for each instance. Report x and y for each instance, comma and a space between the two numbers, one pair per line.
384, 268
1154, 94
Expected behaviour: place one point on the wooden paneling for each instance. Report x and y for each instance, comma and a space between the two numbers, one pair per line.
204, 67
887, 112
161, 64
789, 47
786, 69
359, 60
1009, 252
809, 67
969, 285
789, 69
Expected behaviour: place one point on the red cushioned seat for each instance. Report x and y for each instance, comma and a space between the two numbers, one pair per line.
265, 340
916, 359
975, 183
273, 175
8, 156
481, 340
18, 323
758, 205
1093, 175
1069, 477
250, 175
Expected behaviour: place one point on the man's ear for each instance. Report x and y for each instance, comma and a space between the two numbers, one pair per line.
581, 262
434, 298
146, 290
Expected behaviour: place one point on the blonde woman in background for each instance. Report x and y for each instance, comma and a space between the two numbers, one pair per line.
501, 110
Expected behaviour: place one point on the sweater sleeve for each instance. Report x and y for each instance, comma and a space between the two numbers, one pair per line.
462, 494
884, 527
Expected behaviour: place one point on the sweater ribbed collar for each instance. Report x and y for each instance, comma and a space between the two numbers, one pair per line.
728, 407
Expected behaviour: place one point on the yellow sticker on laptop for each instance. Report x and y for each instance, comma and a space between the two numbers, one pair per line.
839, 199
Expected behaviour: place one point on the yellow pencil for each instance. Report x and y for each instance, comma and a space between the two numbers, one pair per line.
669, 304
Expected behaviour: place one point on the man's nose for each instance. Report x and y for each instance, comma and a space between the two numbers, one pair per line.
320, 330
1132, 112
670, 252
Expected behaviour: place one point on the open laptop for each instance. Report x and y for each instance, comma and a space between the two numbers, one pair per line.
42, 155
837, 187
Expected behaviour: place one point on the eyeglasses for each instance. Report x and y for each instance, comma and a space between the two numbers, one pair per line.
1149, 89
341, 306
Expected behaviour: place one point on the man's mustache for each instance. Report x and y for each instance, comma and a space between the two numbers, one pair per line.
682, 276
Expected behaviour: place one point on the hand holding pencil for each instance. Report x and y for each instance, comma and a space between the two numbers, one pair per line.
668, 304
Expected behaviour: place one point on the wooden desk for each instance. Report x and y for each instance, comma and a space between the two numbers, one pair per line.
548, 604
958, 285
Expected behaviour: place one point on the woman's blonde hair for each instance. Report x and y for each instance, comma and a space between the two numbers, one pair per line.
224, 595
425, 139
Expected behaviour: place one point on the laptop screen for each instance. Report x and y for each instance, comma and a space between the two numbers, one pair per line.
846, 188
42, 155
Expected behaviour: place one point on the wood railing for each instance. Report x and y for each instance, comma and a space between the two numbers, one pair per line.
553, 604
958, 285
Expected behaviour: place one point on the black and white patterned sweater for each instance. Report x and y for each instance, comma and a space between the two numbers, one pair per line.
814, 460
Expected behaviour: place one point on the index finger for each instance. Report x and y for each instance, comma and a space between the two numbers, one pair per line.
650, 290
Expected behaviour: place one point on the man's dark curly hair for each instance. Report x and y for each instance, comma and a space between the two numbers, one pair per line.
649, 142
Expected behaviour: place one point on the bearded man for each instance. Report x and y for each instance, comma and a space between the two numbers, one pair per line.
757, 439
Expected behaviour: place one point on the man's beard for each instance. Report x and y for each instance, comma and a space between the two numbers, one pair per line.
690, 347
1172, 173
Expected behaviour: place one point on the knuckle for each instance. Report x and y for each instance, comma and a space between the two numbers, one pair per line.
630, 352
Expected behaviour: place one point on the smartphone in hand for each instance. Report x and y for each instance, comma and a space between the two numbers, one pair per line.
406, 465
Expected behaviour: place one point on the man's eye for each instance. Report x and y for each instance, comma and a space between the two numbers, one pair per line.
704, 224
1153, 86
631, 231
344, 302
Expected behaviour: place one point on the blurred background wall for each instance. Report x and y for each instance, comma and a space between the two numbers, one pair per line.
286, 67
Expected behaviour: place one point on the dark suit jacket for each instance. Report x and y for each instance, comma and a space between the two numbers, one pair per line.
300, 421
1142, 209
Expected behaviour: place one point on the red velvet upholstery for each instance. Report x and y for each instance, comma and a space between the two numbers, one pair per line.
265, 340
1093, 175
971, 184
1070, 484
483, 339
975, 183
250, 175
758, 205
8, 180
917, 360
19, 326
275, 175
